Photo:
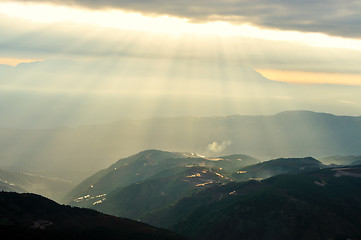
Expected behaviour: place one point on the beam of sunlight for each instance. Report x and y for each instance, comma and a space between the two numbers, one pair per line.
166, 24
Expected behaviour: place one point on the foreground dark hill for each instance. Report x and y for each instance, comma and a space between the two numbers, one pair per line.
144, 165
324, 204
24, 182
81, 151
30, 216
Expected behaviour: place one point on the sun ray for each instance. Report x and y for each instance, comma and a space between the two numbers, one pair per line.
166, 24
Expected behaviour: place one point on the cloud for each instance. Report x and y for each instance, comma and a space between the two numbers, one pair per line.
216, 147
23, 39
334, 17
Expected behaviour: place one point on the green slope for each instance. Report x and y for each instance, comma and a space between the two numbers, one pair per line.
137, 200
145, 165
124, 172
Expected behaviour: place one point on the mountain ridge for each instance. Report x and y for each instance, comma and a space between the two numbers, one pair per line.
264, 137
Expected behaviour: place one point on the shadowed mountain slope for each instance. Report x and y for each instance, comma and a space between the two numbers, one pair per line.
324, 204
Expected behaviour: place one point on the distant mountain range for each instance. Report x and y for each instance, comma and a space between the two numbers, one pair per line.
24, 182
75, 153
30, 216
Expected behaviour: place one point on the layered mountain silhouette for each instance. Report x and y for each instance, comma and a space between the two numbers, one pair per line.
75, 153
324, 204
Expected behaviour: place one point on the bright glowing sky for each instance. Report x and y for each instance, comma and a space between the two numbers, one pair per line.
165, 24
123, 20
145, 50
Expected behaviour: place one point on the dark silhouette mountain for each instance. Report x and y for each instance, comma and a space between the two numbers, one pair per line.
274, 167
30, 216
24, 182
81, 151
324, 204
144, 165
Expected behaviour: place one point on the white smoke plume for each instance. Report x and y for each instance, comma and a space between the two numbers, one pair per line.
216, 147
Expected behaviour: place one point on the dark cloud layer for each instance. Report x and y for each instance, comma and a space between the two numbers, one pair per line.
334, 17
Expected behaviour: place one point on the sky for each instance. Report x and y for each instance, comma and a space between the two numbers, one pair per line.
69, 62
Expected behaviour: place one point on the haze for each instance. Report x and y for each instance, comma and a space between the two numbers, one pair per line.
79, 64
